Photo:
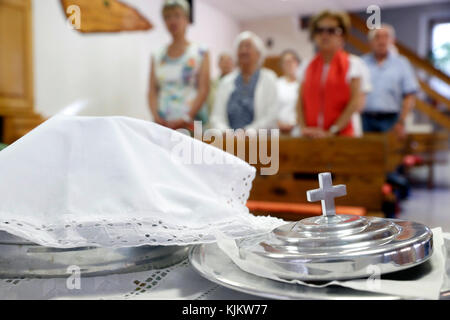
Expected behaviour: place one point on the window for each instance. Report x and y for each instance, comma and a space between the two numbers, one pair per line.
440, 53
440, 46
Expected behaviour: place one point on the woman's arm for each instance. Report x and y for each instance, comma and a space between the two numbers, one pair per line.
203, 87
407, 106
310, 132
153, 96
352, 106
219, 112
300, 118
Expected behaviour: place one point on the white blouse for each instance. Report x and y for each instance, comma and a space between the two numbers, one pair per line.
287, 100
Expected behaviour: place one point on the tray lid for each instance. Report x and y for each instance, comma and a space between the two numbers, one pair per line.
338, 246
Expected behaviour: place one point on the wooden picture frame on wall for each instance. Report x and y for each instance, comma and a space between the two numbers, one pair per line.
104, 16
191, 18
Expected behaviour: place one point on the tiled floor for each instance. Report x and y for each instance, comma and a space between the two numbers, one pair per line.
430, 207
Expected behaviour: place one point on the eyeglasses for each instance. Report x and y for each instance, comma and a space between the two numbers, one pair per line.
331, 30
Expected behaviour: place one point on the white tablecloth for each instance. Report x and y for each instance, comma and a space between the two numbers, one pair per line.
177, 282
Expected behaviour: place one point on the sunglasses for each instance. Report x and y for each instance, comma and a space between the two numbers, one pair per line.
331, 30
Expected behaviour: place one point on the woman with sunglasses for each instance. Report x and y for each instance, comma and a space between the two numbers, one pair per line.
330, 82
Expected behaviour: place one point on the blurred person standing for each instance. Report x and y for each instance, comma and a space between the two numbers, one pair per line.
394, 85
330, 89
226, 66
247, 98
288, 87
180, 79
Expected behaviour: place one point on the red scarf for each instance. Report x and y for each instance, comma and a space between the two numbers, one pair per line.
330, 98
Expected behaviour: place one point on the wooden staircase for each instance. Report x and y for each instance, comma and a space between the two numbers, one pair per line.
438, 116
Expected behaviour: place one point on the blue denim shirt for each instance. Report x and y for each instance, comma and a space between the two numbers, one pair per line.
391, 81
240, 107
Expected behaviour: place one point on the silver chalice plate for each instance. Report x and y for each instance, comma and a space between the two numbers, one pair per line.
21, 258
211, 263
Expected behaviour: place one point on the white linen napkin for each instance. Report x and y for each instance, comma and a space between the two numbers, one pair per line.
120, 182
426, 286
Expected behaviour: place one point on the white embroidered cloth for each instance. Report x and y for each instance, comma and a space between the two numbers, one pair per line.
120, 182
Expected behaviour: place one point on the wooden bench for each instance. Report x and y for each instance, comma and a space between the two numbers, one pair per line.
430, 147
293, 211
359, 163
17, 125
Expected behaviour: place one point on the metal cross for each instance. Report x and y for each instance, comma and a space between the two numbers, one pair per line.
326, 194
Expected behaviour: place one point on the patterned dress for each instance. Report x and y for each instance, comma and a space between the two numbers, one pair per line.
178, 82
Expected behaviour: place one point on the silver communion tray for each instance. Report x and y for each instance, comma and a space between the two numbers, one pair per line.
325, 248
211, 263
338, 248
20, 258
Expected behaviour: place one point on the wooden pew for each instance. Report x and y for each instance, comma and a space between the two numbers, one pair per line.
360, 163
17, 125
295, 211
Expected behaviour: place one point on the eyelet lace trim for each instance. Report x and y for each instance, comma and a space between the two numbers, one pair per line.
104, 232
134, 232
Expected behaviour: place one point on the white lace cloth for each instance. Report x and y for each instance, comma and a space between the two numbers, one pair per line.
121, 182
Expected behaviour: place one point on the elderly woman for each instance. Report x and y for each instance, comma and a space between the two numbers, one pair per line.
179, 81
247, 98
330, 90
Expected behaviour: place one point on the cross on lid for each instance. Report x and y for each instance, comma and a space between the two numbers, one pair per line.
326, 194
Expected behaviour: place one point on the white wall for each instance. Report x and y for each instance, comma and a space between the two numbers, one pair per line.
110, 71
215, 29
285, 32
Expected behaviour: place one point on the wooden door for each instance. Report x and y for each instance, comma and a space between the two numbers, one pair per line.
16, 69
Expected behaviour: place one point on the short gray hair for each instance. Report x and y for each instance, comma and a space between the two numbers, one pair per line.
372, 33
225, 54
183, 4
257, 42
